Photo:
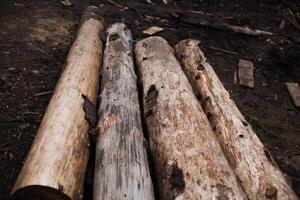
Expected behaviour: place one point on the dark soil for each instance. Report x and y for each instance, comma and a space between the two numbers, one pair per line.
35, 37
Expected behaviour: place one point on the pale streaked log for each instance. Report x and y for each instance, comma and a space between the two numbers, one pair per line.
251, 162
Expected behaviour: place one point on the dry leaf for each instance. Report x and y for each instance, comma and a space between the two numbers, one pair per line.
152, 30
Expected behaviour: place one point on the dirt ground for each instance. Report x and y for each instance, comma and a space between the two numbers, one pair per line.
35, 37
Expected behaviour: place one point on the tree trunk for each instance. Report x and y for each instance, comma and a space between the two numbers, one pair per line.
55, 166
122, 170
188, 160
252, 163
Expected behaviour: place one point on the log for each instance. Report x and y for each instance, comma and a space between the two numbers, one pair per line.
55, 166
122, 170
188, 160
252, 163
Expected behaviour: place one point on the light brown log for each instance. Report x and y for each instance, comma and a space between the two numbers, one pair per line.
122, 170
188, 160
55, 166
251, 162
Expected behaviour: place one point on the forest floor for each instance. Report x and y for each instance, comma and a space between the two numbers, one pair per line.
35, 37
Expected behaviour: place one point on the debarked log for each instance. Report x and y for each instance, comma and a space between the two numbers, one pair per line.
188, 160
122, 170
55, 166
252, 163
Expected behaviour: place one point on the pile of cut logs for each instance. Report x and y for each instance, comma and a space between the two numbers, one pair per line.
200, 145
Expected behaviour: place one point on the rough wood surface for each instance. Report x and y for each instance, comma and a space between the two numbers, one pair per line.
55, 166
245, 73
188, 160
122, 170
294, 91
252, 163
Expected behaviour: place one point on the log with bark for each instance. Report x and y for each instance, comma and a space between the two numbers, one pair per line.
252, 163
55, 166
122, 170
188, 160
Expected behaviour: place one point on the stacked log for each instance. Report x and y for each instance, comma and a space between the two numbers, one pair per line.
188, 160
121, 170
252, 163
55, 166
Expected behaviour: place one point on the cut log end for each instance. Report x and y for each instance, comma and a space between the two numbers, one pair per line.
39, 192
92, 12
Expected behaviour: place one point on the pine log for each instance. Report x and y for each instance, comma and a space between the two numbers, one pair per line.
252, 163
122, 170
188, 160
55, 166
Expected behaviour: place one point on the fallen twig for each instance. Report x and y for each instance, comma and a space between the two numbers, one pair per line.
292, 19
224, 50
227, 27
30, 113
3, 145
115, 4
194, 17
43, 93
6, 149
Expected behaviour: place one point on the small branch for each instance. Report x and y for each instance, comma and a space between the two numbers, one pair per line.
43, 93
224, 50
227, 27
6, 149
292, 19
30, 113
115, 4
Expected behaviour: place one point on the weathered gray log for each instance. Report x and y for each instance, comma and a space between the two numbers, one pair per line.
121, 170
188, 160
55, 166
251, 162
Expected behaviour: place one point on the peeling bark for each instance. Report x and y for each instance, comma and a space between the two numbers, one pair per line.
188, 160
55, 166
121, 170
259, 177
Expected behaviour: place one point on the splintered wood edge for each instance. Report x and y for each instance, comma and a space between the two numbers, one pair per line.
39, 192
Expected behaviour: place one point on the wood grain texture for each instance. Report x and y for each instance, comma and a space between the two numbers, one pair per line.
294, 91
245, 73
122, 170
55, 166
251, 162
188, 160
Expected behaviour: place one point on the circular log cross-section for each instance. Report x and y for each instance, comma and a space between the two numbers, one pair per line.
259, 176
122, 170
56, 164
188, 160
